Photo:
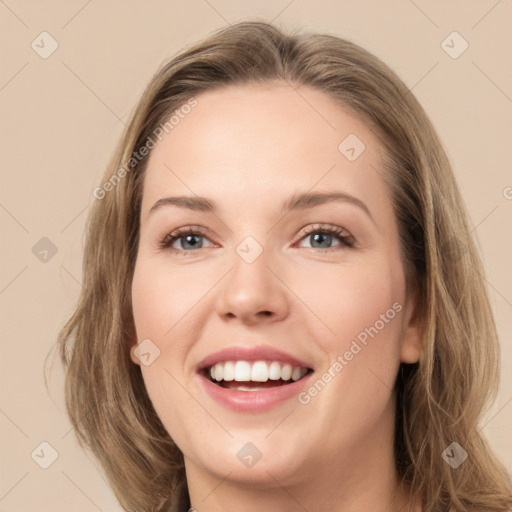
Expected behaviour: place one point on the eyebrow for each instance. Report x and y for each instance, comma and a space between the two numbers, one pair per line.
296, 202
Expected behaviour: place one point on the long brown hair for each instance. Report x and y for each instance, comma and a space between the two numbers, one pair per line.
440, 400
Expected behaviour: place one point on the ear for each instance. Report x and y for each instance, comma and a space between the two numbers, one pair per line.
132, 344
412, 339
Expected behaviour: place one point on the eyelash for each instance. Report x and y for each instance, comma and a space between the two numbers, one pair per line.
347, 241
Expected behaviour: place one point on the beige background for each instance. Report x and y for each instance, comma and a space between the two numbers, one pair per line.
62, 115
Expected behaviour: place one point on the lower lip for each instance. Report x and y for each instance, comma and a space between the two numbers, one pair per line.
253, 401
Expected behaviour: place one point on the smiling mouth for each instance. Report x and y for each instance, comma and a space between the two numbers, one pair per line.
254, 376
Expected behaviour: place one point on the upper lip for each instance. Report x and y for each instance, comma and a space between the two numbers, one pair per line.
258, 353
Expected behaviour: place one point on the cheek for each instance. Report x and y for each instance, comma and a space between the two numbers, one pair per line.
346, 300
361, 309
363, 312
174, 405
163, 298
156, 314
166, 306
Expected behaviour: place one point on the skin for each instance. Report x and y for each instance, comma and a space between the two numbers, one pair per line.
248, 149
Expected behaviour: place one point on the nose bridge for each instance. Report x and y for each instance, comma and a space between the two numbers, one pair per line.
252, 291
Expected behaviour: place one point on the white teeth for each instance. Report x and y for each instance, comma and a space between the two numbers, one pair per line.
229, 371
258, 371
219, 372
295, 373
242, 371
286, 372
274, 371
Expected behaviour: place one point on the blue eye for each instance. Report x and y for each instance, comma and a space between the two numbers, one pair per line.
191, 239
188, 237
321, 235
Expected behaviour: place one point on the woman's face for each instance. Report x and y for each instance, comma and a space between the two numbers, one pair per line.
262, 288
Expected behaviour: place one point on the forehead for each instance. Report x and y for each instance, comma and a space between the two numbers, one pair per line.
261, 142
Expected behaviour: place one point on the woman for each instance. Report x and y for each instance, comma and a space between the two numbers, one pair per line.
283, 308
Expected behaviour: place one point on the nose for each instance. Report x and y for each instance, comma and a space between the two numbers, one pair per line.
253, 293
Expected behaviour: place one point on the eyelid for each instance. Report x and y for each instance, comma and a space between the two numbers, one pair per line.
313, 228
174, 235
338, 231
345, 237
